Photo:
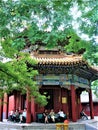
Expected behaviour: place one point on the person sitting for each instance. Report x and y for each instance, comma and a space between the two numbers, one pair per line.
17, 116
23, 116
62, 116
83, 115
52, 115
20, 111
45, 115
11, 115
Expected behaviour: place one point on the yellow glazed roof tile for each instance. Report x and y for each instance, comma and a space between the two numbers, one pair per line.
57, 59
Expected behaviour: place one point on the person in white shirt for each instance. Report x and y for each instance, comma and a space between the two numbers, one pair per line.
23, 116
62, 115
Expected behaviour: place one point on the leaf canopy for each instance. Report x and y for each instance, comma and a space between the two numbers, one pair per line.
71, 23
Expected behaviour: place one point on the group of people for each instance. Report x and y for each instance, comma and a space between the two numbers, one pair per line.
17, 116
52, 116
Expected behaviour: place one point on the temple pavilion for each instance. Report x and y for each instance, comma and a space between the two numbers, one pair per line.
63, 77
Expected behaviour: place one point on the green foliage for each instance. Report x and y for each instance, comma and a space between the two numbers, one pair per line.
91, 55
41, 99
76, 43
49, 21
95, 87
7, 47
16, 75
43, 20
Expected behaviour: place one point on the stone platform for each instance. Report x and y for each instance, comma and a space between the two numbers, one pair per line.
80, 125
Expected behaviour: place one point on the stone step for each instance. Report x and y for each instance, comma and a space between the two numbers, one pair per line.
81, 125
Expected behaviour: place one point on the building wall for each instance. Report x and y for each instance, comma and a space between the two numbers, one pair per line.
10, 106
87, 109
60, 100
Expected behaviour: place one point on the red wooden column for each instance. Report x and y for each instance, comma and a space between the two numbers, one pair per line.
1, 109
6, 104
79, 106
15, 95
91, 105
28, 102
73, 103
64, 100
57, 99
33, 112
17, 100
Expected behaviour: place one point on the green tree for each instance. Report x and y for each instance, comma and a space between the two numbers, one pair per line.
49, 21
19, 74
52, 22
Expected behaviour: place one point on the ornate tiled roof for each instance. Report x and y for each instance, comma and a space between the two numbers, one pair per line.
59, 62
61, 58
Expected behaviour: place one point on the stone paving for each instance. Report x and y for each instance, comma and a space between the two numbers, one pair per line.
79, 125
96, 118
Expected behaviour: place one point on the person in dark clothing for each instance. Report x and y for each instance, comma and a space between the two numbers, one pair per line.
11, 116
45, 115
83, 115
17, 116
